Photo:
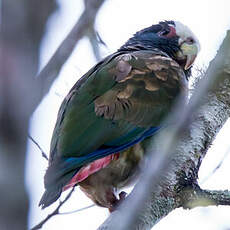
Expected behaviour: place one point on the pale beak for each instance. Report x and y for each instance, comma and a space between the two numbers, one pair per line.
189, 61
190, 52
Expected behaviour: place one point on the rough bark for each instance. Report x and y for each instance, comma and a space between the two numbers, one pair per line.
178, 186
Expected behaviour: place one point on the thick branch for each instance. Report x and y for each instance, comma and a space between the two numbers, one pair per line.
212, 110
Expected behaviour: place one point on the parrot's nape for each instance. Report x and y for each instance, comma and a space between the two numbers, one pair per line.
105, 121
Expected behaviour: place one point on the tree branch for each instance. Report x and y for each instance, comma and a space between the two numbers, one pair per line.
55, 212
82, 28
217, 167
192, 198
78, 210
39, 147
94, 41
186, 145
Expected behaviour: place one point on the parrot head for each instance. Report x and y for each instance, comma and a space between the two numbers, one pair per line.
171, 37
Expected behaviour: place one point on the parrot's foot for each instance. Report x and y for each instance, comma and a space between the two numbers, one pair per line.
117, 202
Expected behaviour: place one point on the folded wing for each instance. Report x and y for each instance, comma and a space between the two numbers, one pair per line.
118, 103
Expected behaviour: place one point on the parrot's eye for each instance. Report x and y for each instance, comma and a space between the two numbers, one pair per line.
190, 40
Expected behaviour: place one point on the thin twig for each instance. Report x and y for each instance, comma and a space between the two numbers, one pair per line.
54, 213
78, 210
100, 40
217, 167
96, 41
94, 44
35, 142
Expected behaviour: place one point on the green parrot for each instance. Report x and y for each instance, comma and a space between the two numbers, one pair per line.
104, 122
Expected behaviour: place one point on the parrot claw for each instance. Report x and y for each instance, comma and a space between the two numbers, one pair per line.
122, 195
116, 204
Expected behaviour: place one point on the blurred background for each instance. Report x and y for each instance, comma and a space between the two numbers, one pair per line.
116, 21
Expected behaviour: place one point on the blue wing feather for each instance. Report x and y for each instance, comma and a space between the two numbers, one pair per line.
75, 162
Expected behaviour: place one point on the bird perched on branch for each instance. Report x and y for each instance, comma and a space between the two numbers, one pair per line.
104, 121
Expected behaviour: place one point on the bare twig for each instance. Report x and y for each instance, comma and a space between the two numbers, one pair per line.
217, 167
95, 41
95, 44
100, 40
55, 212
39, 147
78, 210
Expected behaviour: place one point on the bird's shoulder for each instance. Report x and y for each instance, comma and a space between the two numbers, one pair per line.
122, 66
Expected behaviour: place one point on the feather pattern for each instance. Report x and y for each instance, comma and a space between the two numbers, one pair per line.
104, 122
137, 92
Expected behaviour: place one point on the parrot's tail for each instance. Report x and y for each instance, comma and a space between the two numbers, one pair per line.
49, 197
57, 176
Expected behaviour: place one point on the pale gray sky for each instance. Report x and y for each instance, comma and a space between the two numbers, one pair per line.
116, 22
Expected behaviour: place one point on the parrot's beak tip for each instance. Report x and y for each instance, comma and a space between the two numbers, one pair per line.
189, 61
